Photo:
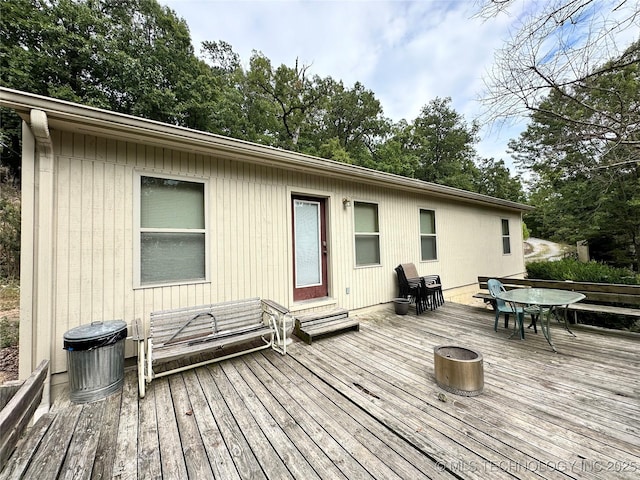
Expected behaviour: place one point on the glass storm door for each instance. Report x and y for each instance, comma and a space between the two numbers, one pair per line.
309, 248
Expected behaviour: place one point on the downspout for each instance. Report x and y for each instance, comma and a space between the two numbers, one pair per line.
42, 231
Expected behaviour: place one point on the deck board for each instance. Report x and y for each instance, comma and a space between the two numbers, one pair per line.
364, 405
172, 458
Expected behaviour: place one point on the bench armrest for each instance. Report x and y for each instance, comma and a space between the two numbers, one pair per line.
138, 333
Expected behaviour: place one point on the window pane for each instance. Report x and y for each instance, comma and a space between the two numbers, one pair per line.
171, 257
427, 221
307, 240
505, 227
506, 245
428, 246
367, 250
366, 217
166, 203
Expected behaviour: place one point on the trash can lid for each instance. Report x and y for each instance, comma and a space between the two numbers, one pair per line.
95, 334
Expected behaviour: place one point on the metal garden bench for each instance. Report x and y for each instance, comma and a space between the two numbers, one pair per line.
226, 329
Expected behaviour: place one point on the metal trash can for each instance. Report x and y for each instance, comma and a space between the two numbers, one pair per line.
95, 359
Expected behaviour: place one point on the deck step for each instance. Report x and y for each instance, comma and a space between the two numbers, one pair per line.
313, 325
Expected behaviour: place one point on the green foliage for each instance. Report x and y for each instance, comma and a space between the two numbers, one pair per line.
9, 230
596, 272
585, 189
443, 144
9, 294
8, 333
495, 180
136, 57
9, 317
525, 232
571, 269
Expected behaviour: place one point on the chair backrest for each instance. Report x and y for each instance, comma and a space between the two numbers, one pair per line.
495, 287
402, 281
410, 270
431, 279
402, 278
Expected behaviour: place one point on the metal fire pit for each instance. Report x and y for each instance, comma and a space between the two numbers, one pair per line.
458, 370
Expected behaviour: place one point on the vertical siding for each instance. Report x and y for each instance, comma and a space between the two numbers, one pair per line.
249, 225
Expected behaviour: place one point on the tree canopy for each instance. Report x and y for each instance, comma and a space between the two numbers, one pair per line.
573, 68
573, 52
136, 57
586, 188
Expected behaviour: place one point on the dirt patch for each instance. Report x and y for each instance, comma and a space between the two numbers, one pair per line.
8, 364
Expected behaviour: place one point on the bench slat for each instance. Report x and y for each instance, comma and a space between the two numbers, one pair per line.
185, 333
623, 295
197, 322
587, 307
595, 292
178, 350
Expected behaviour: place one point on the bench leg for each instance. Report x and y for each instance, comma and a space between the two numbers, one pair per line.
141, 367
278, 324
149, 375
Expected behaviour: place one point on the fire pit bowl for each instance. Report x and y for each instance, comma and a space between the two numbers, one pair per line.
458, 370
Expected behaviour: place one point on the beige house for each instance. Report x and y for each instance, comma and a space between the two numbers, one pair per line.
124, 216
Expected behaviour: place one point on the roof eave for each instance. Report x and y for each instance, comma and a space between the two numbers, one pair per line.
94, 121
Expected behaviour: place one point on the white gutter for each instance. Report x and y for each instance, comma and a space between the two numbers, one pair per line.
37, 281
96, 121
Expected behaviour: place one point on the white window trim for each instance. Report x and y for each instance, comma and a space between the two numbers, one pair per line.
356, 234
503, 236
434, 235
137, 229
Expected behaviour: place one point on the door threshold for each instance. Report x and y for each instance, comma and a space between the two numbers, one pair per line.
312, 303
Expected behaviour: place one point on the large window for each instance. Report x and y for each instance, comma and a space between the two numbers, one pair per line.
428, 244
506, 241
172, 231
367, 233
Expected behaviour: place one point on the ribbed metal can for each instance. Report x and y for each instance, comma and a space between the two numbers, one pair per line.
95, 359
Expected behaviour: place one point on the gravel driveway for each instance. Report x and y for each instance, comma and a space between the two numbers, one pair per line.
544, 250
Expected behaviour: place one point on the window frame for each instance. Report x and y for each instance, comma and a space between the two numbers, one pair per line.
138, 230
357, 234
507, 236
434, 235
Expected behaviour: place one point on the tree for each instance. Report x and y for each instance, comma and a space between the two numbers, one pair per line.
294, 97
443, 143
351, 119
564, 49
129, 56
396, 154
582, 190
228, 104
495, 180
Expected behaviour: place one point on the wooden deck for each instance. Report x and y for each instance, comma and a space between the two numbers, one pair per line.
365, 405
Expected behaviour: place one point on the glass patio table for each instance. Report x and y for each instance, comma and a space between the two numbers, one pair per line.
548, 298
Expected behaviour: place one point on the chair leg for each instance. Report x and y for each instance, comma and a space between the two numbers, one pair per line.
534, 320
506, 320
520, 320
495, 324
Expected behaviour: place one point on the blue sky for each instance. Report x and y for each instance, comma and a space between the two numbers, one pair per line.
406, 52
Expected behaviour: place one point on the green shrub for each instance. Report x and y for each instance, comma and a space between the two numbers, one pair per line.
8, 333
9, 230
571, 269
